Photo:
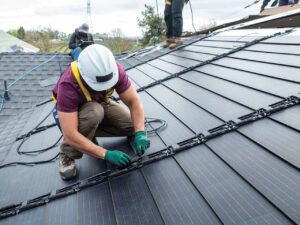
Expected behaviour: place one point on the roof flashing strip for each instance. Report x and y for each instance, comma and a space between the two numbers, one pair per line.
139, 162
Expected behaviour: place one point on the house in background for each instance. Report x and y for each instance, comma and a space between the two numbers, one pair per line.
9, 43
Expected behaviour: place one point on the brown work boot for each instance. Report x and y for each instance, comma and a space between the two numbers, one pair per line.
169, 41
67, 167
176, 43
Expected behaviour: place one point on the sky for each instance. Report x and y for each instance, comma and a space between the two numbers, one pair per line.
66, 15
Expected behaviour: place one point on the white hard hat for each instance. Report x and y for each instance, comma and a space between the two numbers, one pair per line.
98, 67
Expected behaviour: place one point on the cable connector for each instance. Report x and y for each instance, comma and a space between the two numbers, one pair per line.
201, 137
169, 151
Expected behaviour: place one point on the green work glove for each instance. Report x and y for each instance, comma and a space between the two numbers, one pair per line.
117, 157
141, 142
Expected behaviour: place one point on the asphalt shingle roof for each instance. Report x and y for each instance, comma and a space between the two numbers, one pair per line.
28, 92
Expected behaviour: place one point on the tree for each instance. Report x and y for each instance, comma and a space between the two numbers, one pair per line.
21, 33
39, 38
152, 25
117, 43
46, 39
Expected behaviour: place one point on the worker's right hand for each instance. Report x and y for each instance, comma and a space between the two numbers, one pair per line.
117, 157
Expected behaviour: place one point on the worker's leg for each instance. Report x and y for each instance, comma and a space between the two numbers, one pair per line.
168, 20
75, 53
117, 121
90, 116
264, 4
283, 2
177, 7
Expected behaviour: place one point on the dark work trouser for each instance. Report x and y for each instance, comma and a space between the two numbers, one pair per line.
96, 120
173, 18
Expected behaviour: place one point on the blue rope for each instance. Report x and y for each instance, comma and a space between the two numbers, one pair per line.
34, 68
22, 76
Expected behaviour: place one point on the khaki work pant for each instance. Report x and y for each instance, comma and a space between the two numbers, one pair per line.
97, 120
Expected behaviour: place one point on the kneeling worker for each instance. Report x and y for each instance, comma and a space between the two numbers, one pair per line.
85, 111
80, 39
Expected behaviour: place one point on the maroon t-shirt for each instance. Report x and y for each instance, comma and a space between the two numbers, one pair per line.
70, 97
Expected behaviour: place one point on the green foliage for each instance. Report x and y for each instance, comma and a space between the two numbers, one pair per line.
40, 39
117, 43
13, 33
50, 40
45, 38
152, 25
21, 33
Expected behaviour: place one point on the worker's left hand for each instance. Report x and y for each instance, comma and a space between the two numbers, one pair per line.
141, 142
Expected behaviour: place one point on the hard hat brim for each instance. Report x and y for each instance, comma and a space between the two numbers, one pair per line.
83, 31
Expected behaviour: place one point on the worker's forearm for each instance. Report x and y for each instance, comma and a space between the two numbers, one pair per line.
137, 115
80, 142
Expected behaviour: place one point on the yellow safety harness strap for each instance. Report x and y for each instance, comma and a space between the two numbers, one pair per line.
74, 67
75, 72
54, 99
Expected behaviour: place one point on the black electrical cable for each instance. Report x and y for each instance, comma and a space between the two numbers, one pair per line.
25, 137
35, 152
30, 163
148, 121
37, 129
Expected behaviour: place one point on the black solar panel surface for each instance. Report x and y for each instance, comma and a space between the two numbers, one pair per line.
275, 179
178, 200
245, 177
132, 200
233, 199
